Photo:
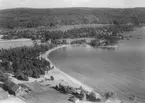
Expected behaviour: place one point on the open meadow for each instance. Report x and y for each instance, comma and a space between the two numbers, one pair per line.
15, 43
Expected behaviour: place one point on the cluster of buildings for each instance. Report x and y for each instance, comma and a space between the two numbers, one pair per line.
9, 88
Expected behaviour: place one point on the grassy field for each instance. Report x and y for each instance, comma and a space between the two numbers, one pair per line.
69, 27
15, 43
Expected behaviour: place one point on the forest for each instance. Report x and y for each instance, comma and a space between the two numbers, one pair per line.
44, 34
32, 18
24, 62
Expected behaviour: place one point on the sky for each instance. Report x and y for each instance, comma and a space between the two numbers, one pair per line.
5, 4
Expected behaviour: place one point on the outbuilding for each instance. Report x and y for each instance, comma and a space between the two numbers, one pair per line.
11, 87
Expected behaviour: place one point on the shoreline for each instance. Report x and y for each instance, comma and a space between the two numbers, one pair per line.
77, 82
45, 56
59, 77
84, 86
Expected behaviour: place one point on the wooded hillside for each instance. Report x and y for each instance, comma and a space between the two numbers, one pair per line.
28, 18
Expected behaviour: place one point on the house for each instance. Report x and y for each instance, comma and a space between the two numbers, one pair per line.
11, 87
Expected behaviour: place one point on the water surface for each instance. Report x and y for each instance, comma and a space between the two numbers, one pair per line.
121, 70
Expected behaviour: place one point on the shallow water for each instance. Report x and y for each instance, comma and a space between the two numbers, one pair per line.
121, 70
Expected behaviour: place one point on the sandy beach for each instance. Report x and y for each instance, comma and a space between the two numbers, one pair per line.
41, 87
64, 74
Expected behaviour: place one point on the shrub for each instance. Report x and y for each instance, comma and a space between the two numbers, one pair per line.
21, 76
51, 78
92, 97
108, 95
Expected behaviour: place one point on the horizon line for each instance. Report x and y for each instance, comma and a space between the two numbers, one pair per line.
74, 7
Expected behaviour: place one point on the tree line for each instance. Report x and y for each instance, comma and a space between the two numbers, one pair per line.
24, 62
32, 18
44, 34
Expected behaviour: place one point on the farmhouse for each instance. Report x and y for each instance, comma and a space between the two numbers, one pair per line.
11, 87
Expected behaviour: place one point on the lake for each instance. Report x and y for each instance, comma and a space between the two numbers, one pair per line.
120, 70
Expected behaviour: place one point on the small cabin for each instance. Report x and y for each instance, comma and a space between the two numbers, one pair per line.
11, 87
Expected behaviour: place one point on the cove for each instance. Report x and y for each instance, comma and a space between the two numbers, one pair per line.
121, 70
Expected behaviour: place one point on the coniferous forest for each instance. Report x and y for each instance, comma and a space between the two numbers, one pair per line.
31, 18
44, 35
24, 62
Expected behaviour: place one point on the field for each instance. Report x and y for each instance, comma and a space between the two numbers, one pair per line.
69, 27
15, 43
